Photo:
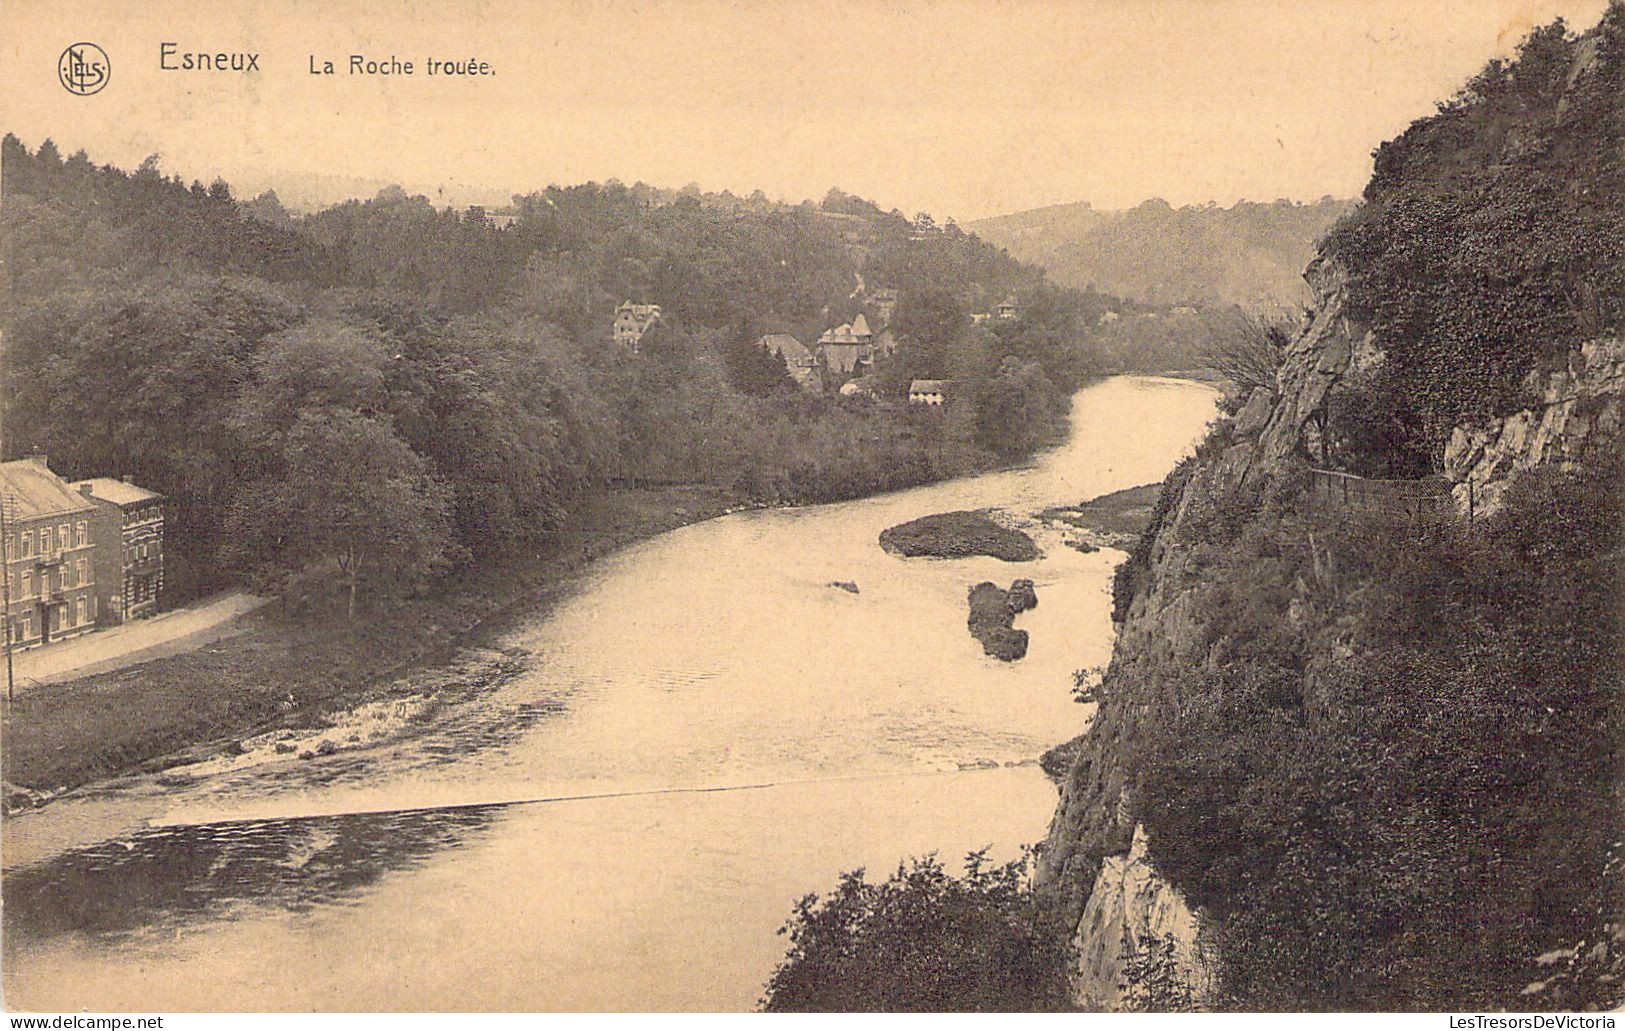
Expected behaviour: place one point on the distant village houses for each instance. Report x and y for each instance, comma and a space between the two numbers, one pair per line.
848, 348
843, 355
632, 321
67, 569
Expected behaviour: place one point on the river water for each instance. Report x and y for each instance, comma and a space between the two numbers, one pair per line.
703, 733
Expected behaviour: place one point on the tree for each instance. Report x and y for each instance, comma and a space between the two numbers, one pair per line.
1248, 353
753, 369
923, 940
1152, 981
1017, 410
353, 495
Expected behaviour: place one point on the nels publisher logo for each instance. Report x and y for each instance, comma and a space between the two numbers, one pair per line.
84, 69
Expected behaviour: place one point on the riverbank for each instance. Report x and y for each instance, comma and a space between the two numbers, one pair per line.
296, 681
288, 676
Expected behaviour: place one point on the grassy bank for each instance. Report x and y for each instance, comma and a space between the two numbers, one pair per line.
291, 669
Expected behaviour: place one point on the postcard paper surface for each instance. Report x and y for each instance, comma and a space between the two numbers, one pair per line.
811, 505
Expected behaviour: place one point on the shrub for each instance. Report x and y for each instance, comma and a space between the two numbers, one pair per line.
1407, 825
923, 940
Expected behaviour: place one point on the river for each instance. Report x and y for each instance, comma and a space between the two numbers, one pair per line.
703, 733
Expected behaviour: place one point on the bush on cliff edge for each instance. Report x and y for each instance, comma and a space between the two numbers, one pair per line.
924, 941
1407, 826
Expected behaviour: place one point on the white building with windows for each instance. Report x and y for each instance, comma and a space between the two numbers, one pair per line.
50, 570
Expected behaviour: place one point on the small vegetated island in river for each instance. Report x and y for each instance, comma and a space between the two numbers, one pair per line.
958, 535
967, 534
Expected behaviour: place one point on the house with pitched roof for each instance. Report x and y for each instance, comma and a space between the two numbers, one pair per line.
50, 587
799, 362
848, 349
128, 533
632, 321
929, 391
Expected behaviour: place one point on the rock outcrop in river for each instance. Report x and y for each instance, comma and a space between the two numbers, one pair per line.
992, 612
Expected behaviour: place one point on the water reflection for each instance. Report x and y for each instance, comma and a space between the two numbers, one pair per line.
162, 879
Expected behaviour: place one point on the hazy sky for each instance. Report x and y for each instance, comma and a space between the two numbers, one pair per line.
964, 109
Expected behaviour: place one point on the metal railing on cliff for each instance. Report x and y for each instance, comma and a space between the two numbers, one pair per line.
1409, 499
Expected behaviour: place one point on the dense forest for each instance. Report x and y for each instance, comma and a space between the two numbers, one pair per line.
394, 390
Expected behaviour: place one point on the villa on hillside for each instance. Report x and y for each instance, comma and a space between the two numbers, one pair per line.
800, 363
929, 391
848, 349
632, 321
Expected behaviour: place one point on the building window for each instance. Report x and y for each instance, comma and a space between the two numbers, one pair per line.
63, 539
28, 544
11, 547
80, 568
80, 534
45, 540
28, 584
82, 608
28, 626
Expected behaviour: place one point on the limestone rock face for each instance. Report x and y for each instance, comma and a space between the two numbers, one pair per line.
1332, 347
1256, 413
1092, 859
1129, 902
1576, 409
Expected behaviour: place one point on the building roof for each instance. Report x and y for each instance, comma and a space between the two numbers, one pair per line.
32, 490
786, 346
929, 386
856, 332
118, 492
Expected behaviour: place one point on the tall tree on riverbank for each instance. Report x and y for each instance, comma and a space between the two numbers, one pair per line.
353, 497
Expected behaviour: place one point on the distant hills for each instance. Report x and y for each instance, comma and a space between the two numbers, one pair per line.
1250, 254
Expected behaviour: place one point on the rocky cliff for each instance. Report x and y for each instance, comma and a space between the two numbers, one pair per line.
1482, 275
1573, 412
1094, 859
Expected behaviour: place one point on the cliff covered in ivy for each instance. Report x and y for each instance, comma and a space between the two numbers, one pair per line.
1368, 755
